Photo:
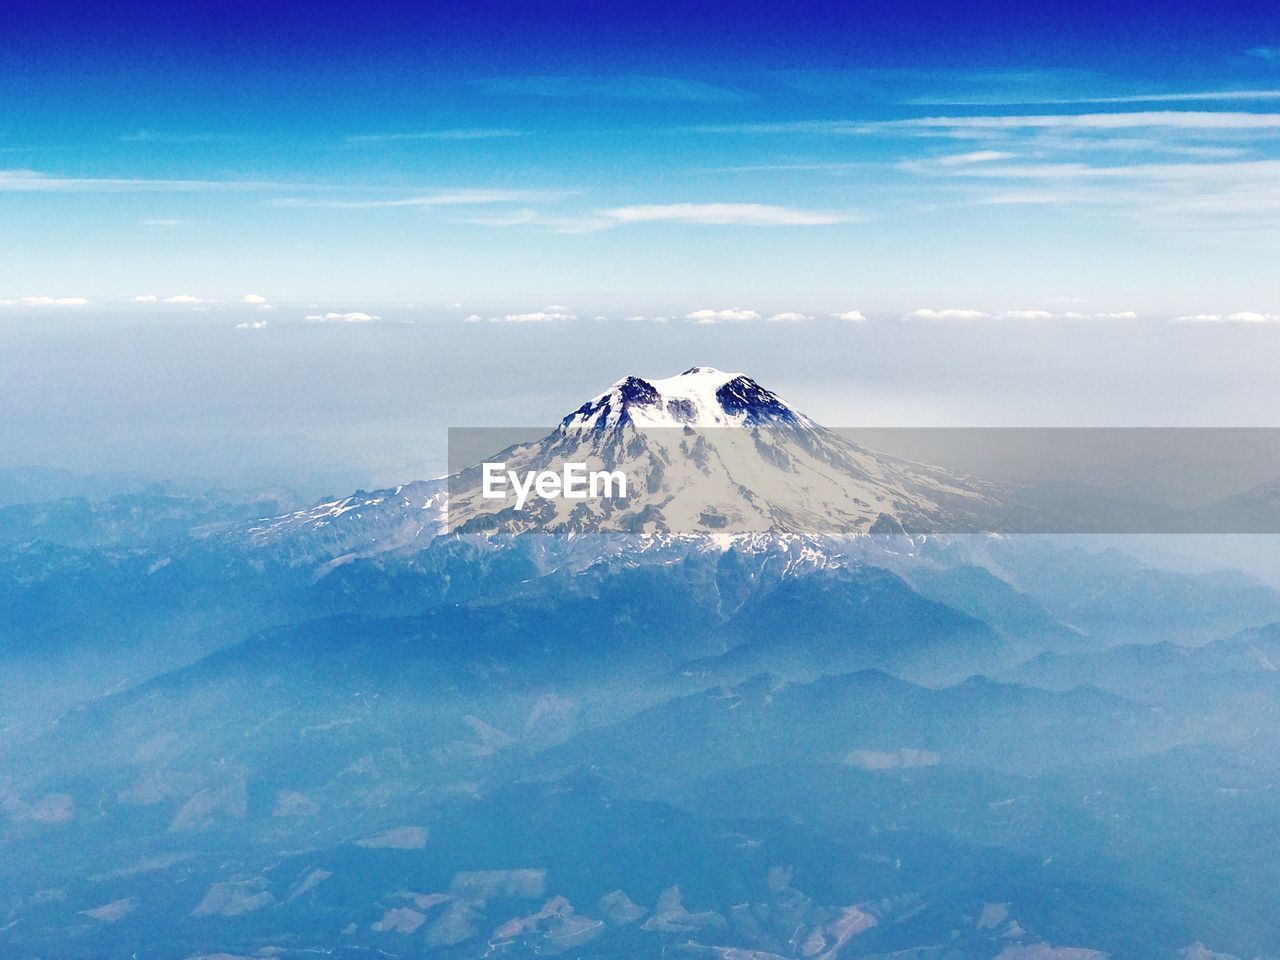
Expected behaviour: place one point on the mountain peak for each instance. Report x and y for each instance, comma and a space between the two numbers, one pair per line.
772, 472
701, 396
704, 372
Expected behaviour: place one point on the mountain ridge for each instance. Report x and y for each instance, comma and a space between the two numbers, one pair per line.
709, 456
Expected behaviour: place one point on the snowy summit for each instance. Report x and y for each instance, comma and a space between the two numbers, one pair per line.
699, 397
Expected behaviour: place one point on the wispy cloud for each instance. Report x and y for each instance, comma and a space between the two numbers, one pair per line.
1028, 315
1193, 96
968, 314
444, 198
1129, 120
613, 87
161, 136
1172, 119
1268, 170
529, 217
1269, 54
353, 316
455, 134
883, 84
45, 302
257, 301
1246, 192
852, 316
974, 156
1244, 316
796, 167
252, 325
788, 127
701, 214
185, 298
537, 316
948, 313
31, 181
729, 315
549, 314
740, 214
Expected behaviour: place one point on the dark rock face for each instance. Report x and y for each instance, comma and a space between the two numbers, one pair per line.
682, 410
744, 395
633, 391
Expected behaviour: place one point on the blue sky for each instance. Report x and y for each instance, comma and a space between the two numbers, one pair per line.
656, 161
296, 242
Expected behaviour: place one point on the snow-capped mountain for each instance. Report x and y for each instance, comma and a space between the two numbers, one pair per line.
705, 454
